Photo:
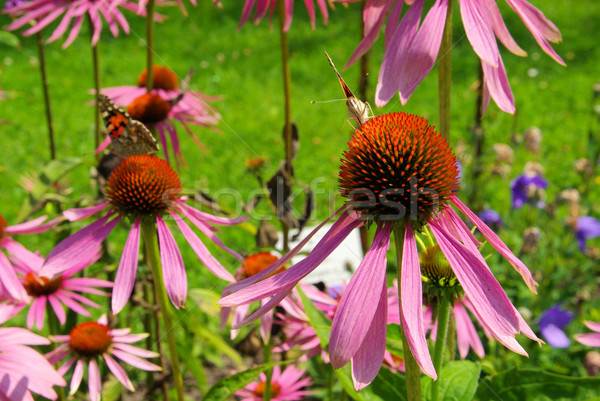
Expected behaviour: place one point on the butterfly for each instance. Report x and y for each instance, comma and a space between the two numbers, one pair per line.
129, 137
358, 110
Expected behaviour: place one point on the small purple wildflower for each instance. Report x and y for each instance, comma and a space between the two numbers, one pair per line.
551, 324
528, 189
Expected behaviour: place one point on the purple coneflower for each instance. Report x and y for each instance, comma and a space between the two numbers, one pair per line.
412, 45
400, 174
166, 104
492, 219
590, 339
262, 6
285, 386
90, 341
9, 283
43, 12
143, 188
24, 370
552, 323
57, 289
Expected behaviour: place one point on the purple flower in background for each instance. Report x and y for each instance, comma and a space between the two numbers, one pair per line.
551, 324
528, 188
587, 227
491, 218
412, 44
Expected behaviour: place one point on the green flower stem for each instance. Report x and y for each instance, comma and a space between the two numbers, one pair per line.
445, 74
53, 327
149, 45
96, 67
412, 370
287, 96
42, 55
268, 357
151, 244
440, 343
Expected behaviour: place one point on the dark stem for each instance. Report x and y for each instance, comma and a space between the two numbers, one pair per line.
287, 97
478, 142
42, 54
445, 74
149, 45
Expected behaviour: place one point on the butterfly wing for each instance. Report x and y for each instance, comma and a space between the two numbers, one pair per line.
129, 137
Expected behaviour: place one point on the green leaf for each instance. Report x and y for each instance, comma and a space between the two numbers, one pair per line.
9, 39
393, 341
537, 385
112, 389
459, 380
389, 385
319, 322
226, 387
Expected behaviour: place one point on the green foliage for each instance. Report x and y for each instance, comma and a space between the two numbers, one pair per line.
459, 381
537, 385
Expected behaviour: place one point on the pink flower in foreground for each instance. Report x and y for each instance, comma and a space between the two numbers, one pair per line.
24, 370
44, 12
9, 283
412, 45
262, 6
163, 106
58, 289
285, 386
92, 341
143, 187
590, 339
398, 173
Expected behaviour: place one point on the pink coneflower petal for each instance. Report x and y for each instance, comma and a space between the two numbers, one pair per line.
422, 54
77, 214
479, 31
589, 339
34, 226
369, 357
24, 259
175, 278
134, 361
130, 349
389, 73
71, 304
74, 32
118, 371
131, 338
125, 278
77, 376
357, 307
497, 86
466, 334
77, 247
497, 244
94, 382
10, 280
63, 25
493, 13
201, 251
394, 21
374, 14
57, 308
266, 324
18, 335
412, 304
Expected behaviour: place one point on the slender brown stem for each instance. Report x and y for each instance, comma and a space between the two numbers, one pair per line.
149, 45
478, 143
42, 55
287, 97
96, 67
445, 74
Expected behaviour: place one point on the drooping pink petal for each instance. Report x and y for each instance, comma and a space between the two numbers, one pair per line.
367, 361
134, 361
175, 279
266, 307
17, 335
290, 277
71, 304
125, 278
201, 251
130, 349
542, 29
394, 20
57, 308
595, 326
496, 85
77, 247
74, 32
479, 31
94, 381
374, 14
358, 305
10, 281
589, 339
77, 376
104, 145
493, 13
389, 78
266, 324
77, 214
489, 301
34, 226
422, 54
497, 244
289, 13
466, 334
411, 302
118, 371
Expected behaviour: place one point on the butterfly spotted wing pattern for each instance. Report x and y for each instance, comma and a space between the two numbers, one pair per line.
358, 110
129, 137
